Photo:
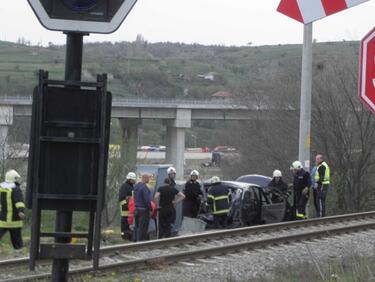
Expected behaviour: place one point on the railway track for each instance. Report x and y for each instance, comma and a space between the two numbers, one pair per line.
183, 248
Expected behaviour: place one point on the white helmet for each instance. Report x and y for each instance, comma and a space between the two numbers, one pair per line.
277, 173
131, 176
215, 179
296, 165
194, 173
12, 176
171, 170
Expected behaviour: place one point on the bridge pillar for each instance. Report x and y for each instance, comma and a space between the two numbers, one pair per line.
6, 120
129, 142
175, 140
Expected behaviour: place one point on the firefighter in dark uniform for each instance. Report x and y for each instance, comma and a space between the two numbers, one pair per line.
219, 199
126, 191
193, 195
12, 208
278, 186
171, 171
167, 198
301, 189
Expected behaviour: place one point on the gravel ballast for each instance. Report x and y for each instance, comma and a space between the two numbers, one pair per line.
252, 264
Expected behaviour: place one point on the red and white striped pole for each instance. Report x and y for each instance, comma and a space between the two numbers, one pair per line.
307, 11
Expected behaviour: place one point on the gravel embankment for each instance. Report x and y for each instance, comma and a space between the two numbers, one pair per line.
248, 265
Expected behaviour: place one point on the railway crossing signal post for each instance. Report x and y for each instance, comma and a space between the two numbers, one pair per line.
367, 71
69, 135
307, 12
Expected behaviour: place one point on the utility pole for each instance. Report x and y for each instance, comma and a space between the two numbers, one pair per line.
305, 108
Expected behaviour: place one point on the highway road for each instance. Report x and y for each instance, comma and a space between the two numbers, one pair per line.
161, 156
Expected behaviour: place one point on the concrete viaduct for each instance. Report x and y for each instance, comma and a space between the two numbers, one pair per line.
177, 116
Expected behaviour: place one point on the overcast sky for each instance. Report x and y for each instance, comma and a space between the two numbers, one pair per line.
226, 22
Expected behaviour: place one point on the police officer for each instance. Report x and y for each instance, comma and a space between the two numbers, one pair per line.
168, 197
301, 186
219, 198
126, 191
193, 195
322, 181
12, 208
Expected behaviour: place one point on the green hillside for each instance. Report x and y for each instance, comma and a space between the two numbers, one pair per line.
161, 69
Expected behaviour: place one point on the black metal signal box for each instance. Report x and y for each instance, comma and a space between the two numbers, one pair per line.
67, 161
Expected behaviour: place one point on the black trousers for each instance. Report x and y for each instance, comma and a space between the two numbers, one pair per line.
220, 220
301, 202
190, 208
126, 233
320, 204
315, 198
167, 217
15, 236
141, 220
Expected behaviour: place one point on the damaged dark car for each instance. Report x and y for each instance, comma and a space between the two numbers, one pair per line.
252, 204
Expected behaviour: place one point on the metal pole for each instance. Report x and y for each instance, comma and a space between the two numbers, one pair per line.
305, 111
73, 56
73, 70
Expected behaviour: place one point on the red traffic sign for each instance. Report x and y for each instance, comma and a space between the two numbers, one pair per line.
307, 11
85, 16
367, 70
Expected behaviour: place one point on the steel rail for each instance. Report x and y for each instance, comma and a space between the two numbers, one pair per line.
234, 232
211, 251
214, 235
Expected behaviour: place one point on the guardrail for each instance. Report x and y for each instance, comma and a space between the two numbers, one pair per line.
134, 101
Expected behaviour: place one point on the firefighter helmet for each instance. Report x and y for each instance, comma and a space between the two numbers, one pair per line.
12, 176
296, 165
171, 170
131, 176
215, 179
194, 173
277, 173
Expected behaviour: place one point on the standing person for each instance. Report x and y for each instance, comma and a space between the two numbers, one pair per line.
216, 158
322, 181
193, 195
126, 192
219, 198
171, 171
168, 197
314, 189
142, 200
12, 208
301, 186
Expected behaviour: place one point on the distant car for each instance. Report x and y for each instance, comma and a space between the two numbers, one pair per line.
206, 150
224, 149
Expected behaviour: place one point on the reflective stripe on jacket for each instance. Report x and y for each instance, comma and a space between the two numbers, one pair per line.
326, 179
11, 203
219, 199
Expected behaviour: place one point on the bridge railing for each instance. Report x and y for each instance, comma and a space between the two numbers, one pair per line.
18, 99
